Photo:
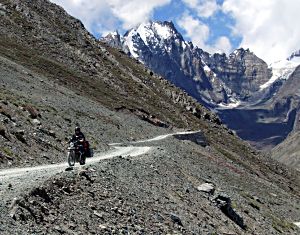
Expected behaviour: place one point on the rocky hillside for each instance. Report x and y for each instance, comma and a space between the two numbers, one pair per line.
54, 74
288, 151
56, 59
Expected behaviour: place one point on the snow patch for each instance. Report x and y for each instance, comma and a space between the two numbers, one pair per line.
236, 52
145, 32
163, 31
209, 72
115, 33
129, 42
233, 104
206, 68
281, 70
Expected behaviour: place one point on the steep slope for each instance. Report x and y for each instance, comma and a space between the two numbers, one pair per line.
54, 74
288, 151
56, 55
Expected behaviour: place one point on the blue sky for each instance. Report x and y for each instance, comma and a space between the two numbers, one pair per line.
220, 24
269, 28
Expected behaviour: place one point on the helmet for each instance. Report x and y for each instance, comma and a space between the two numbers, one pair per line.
77, 128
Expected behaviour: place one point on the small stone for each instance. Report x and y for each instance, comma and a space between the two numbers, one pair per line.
98, 214
35, 122
176, 219
102, 226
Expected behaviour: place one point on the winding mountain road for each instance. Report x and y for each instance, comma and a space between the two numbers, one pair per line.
117, 151
15, 181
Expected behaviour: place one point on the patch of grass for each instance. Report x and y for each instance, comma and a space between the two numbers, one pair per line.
251, 201
234, 205
7, 152
50, 109
235, 159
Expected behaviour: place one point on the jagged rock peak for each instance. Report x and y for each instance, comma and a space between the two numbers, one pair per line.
156, 29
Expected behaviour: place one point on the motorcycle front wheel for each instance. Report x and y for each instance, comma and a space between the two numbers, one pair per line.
71, 158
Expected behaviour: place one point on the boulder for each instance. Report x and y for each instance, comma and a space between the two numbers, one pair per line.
197, 137
207, 188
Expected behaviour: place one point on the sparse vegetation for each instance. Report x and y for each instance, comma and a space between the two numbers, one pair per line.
8, 152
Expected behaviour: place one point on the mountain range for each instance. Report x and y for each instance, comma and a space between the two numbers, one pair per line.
163, 163
253, 98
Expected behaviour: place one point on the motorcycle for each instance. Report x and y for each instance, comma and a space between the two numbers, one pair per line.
76, 153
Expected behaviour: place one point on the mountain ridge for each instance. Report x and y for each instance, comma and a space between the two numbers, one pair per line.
240, 84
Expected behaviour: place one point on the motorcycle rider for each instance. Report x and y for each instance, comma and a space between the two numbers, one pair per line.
79, 138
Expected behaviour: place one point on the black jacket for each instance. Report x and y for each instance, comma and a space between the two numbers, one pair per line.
75, 137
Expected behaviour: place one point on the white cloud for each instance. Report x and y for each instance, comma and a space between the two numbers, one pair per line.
96, 15
204, 8
199, 33
133, 12
223, 45
269, 27
195, 30
104, 15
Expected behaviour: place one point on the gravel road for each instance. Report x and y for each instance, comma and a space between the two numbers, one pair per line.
17, 180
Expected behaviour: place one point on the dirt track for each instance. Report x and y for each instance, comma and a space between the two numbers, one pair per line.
17, 180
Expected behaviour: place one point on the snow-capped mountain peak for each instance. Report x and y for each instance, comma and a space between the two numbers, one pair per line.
151, 30
154, 36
